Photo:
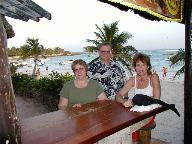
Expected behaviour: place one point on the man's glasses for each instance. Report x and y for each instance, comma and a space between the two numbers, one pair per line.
105, 52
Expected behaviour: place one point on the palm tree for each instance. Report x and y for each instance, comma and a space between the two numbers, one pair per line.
110, 33
178, 58
33, 49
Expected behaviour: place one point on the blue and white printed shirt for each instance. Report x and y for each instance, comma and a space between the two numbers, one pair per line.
112, 76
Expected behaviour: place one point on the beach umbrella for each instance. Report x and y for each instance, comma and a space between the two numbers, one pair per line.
22, 10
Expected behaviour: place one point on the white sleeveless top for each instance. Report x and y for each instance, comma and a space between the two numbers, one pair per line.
145, 91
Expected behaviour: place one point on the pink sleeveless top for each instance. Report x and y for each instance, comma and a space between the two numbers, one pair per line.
146, 91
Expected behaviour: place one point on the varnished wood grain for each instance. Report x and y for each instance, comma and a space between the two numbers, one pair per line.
88, 124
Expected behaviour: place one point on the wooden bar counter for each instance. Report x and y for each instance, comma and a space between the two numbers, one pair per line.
97, 122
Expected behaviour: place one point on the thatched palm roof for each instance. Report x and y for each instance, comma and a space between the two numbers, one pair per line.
138, 7
22, 10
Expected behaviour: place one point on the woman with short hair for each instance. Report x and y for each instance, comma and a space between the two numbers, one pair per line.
81, 90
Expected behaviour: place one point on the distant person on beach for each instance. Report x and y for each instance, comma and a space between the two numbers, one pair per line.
38, 73
81, 90
164, 70
144, 82
107, 71
47, 69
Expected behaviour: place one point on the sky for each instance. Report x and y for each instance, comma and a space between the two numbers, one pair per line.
74, 21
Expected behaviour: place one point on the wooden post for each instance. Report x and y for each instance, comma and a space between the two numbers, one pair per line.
188, 75
145, 136
9, 127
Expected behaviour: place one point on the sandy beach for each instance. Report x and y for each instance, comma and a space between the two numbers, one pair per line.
170, 127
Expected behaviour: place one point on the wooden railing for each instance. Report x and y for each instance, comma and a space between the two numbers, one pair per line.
91, 123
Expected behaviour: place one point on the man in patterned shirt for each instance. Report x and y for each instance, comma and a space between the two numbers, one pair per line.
108, 71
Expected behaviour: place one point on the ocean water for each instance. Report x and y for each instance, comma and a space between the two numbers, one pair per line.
159, 58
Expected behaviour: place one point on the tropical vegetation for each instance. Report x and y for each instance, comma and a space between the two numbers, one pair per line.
110, 33
16, 52
33, 49
45, 90
178, 58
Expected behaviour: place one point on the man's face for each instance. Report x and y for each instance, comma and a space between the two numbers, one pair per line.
105, 53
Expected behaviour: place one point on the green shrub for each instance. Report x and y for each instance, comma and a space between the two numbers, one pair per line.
22, 84
13, 68
45, 90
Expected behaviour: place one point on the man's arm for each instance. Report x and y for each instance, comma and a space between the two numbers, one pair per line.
123, 70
